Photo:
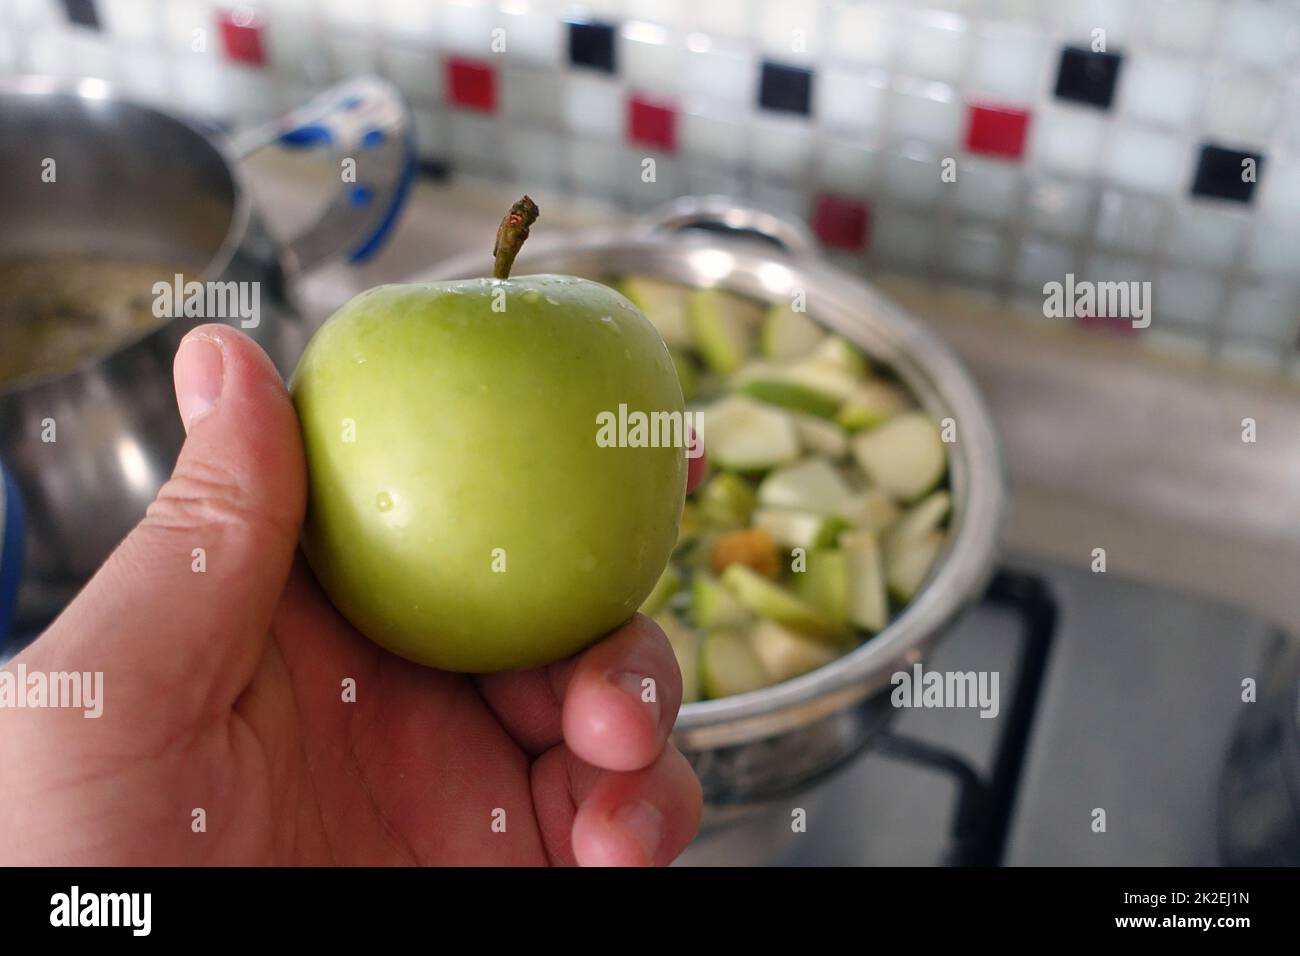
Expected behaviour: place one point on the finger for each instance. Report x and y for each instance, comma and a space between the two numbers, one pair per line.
187, 598
596, 817
622, 696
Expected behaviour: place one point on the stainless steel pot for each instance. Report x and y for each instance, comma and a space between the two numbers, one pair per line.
85, 172
759, 746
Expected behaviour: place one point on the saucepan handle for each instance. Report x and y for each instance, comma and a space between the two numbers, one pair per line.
722, 214
364, 120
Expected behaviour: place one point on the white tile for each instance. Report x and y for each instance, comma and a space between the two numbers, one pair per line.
850, 99
703, 178
536, 156
1032, 10
1242, 107
475, 140
912, 179
936, 48
352, 54
533, 96
1080, 18
188, 25
1160, 90
532, 35
1264, 311
977, 253
1273, 249
1039, 263
987, 189
1068, 140
642, 193
1184, 26
1206, 235
716, 137
33, 15
598, 9
146, 75
722, 72
409, 20
781, 198
1135, 223
1189, 296
8, 53
201, 86
130, 19
928, 112
728, 17
1102, 267
250, 93
1008, 62
782, 148
429, 140
863, 32
294, 45
844, 167
791, 30
1058, 207
70, 54
649, 58
664, 12
1279, 183
1258, 357
1261, 34
467, 29
904, 238
1146, 160
593, 105
417, 72
348, 13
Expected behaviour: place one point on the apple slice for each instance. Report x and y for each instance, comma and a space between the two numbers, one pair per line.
686, 648
868, 605
920, 519
870, 510
792, 395
729, 666
715, 607
870, 404
799, 529
723, 327
787, 333
824, 583
821, 437
744, 435
910, 561
904, 456
664, 304
784, 653
813, 485
770, 600
726, 501
669, 583
842, 354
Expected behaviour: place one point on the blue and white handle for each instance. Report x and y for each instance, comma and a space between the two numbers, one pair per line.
11, 553
364, 120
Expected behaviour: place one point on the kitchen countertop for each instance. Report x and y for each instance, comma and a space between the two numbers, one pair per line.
1108, 444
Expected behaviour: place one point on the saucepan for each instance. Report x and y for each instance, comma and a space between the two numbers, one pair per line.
125, 226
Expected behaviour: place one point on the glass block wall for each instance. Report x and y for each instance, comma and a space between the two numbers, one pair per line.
999, 144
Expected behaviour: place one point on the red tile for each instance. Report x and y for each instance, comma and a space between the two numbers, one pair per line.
842, 223
242, 35
996, 130
471, 84
652, 123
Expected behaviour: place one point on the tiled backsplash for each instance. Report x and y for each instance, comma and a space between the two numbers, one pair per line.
997, 143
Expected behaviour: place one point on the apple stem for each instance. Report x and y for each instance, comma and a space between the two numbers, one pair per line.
511, 235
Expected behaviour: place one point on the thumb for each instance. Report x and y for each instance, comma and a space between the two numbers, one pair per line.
186, 600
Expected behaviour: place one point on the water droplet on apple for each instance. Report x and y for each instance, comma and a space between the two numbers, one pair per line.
384, 501
531, 296
552, 301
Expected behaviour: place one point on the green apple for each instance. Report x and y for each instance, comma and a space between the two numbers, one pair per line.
664, 304
723, 326
715, 607
799, 529
725, 502
670, 582
908, 562
788, 334
728, 666
868, 604
821, 437
463, 510
812, 484
824, 583
745, 435
870, 510
904, 456
768, 599
785, 653
686, 648
871, 403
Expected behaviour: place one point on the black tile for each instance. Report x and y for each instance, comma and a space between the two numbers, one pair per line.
82, 13
591, 44
1219, 173
1087, 77
787, 89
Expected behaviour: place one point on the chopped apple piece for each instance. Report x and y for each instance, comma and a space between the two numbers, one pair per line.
787, 333
813, 484
868, 606
664, 304
799, 529
723, 327
751, 547
770, 600
726, 501
729, 666
870, 404
785, 653
821, 437
870, 510
795, 396
686, 648
715, 607
842, 354
744, 435
669, 583
824, 583
904, 456
910, 561
920, 519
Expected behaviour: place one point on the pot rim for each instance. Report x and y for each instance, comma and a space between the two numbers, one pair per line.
849, 306
91, 89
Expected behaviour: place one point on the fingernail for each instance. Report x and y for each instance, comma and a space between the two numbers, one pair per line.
199, 373
644, 690
645, 823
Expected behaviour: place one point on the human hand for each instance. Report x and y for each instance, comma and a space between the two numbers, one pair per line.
223, 694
